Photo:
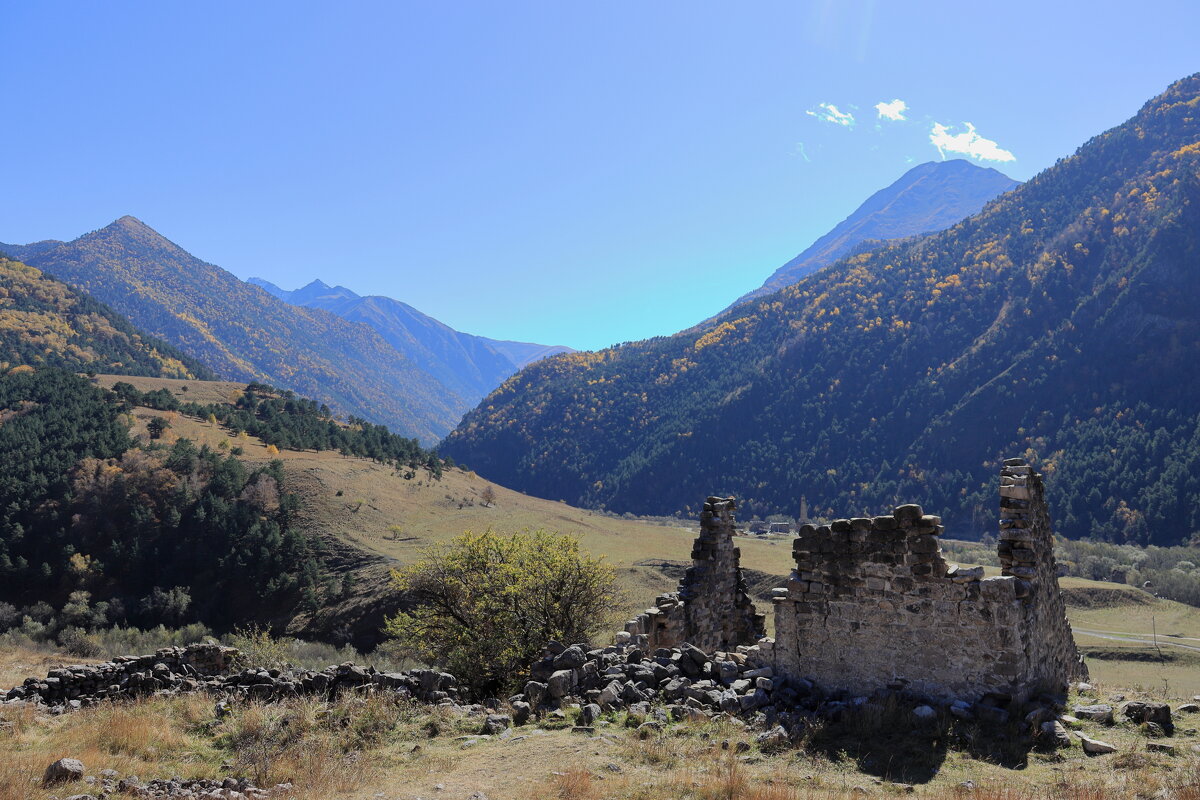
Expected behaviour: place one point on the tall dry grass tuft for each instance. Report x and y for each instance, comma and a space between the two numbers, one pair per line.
319, 769
17, 720
132, 730
324, 751
731, 782
574, 784
20, 777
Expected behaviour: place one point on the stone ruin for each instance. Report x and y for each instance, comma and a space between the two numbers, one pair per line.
712, 609
873, 605
213, 668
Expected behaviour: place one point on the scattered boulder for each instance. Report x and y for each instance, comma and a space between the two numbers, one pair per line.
1147, 712
1099, 712
64, 770
924, 714
495, 724
1054, 736
1095, 747
774, 739
589, 714
571, 658
560, 684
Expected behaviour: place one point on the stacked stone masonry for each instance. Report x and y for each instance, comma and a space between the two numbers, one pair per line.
211, 668
872, 604
712, 609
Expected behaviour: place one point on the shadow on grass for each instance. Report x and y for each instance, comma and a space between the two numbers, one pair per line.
885, 739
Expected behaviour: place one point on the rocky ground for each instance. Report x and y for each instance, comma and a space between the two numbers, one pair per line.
613, 722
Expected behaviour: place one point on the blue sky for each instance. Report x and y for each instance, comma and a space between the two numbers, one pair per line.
566, 173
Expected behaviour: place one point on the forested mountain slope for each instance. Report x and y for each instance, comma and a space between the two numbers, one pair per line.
46, 323
153, 534
243, 332
929, 197
469, 366
1061, 323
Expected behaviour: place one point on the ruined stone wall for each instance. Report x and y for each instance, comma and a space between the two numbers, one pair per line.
1026, 551
711, 609
872, 604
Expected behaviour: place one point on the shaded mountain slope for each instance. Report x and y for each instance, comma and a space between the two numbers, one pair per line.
470, 366
1060, 323
243, 332
929, 197
46, 323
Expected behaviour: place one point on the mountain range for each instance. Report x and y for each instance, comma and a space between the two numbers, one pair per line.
1059, 323
470, 366
245, 333
377, 357
929, 197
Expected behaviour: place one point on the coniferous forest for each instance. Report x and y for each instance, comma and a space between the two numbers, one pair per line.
157, 534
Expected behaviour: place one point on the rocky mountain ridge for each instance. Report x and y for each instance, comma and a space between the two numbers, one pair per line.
929, 197
471, 366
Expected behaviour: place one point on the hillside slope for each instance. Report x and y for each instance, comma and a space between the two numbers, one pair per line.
929, 197
364, 516
243, 332
46, 323
1060, 323
470, 366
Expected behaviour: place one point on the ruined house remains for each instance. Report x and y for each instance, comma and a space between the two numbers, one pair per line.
872, 604
711, 609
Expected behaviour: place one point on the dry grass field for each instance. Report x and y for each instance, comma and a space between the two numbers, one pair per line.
376, 510
373, 747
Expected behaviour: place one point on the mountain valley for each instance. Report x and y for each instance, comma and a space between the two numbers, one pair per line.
470, 366
1054, 323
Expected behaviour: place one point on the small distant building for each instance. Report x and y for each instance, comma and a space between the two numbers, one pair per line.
780, 527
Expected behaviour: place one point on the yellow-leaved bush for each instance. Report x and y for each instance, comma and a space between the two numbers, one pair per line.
486, 604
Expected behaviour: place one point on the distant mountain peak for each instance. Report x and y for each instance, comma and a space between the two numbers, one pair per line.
307, 294
133, 225
471, 365
929, 197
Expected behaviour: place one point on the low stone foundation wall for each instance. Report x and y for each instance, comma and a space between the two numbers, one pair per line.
209, 668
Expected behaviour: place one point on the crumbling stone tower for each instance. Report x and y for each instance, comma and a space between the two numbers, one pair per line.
1026, 552
872, 604
711, 609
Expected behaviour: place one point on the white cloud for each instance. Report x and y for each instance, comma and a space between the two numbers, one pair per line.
893, 110
968, 143
831, 113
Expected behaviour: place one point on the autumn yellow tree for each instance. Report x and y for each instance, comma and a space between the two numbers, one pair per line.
486, 604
